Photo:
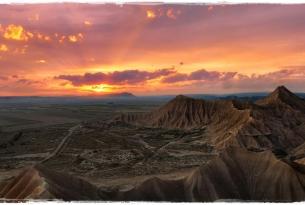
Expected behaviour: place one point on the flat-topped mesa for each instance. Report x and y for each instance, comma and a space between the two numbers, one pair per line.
282, 96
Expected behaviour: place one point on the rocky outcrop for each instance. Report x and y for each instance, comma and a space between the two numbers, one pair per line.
244, 175
282, 97
187, 113
237, 174
277, 121
39, 182
261, 146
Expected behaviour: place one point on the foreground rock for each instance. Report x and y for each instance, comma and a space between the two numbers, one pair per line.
236, 174
40, 183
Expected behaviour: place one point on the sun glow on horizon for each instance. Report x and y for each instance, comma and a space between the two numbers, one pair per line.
101, 88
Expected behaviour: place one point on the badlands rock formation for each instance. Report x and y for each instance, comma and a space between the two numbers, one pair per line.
40, 183
261, 148
277, 121
237, 174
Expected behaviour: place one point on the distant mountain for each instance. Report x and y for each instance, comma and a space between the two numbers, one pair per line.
282, 96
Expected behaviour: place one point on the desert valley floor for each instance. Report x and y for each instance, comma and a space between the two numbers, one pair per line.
186, 149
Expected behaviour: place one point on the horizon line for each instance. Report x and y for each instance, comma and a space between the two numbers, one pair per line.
166, 95
157, 2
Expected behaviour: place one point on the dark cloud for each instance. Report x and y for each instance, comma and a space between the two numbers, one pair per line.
293, 78
204, 75
116, 77
177, 77
86, 79
3, 78
199, 75
27, 81
200, 81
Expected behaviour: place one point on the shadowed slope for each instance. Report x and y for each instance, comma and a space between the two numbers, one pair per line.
277, 122
281, 96
240, 174
236, 174
40, 183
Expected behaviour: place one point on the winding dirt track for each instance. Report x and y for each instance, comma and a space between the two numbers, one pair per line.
62, 143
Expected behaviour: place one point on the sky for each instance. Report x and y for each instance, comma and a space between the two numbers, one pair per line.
92, 49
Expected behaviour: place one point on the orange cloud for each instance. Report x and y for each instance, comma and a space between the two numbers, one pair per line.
150, 14
39, 36
3, 48
80, 35
19, 33
62, 38
75, 38
31, 35
43, 37
20, 50
15, 32
87, 23
41, 61
47, 38
170, 14
72, 38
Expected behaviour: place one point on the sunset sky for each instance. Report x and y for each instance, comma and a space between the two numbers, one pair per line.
91, 49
